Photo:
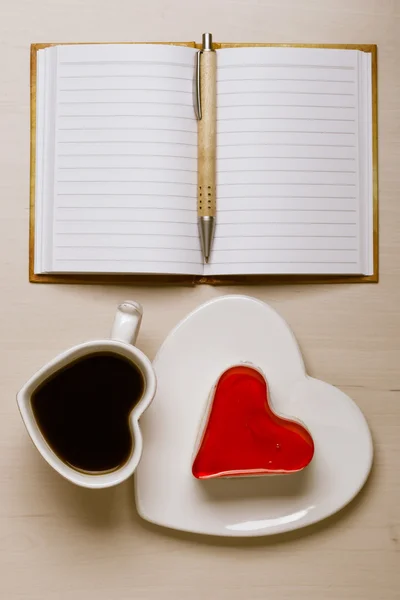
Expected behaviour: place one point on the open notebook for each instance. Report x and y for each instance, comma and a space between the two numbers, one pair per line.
114, 170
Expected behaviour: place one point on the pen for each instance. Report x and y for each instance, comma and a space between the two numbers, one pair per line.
206, 114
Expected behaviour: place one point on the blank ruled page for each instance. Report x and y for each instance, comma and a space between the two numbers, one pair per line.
287, 162
125, 167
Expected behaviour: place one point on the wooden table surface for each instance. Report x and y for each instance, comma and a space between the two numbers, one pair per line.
58, 541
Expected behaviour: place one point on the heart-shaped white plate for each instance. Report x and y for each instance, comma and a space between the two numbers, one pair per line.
223, 332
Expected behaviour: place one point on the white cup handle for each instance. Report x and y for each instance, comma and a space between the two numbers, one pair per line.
127, 322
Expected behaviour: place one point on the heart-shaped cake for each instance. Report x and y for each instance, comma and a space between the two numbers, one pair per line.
243, 436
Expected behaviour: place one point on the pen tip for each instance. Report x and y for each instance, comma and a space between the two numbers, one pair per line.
206, 231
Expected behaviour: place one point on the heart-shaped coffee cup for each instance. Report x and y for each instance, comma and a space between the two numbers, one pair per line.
241, 434
124, 333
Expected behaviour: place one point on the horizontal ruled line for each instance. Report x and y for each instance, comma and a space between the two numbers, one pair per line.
291, 197
159, 129
284, 92
220, 210
126, 89
291, 183
103, 76
261, 235
335, 210
281, 171
282, 119
219, 250
137, 222
285, 65
127, 181
127, 208
283, 131
278, 248
219, 158
106, 168
280, 143
194, 184
181, 104
147, 63
131, 195
127, 260
282, 106
286, 79
124, 116
276, 235
137, 154
131, 247
131, 234
289, 262
128, 142
132, 168
289, 223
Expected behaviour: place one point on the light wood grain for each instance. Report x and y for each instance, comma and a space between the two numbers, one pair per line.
207, 136
58, 541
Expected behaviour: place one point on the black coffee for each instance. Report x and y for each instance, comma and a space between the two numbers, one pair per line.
83, 411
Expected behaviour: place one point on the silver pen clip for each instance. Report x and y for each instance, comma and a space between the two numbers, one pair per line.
198, 90
207, 46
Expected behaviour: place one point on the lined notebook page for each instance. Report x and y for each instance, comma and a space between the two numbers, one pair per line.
126, 160
287, 162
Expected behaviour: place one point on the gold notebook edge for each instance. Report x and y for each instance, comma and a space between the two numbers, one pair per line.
361, 47
155, 279
32, 179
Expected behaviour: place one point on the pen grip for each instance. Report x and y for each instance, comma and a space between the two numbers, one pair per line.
206, 178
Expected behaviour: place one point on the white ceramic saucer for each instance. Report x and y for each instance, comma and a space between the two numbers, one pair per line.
221, 333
